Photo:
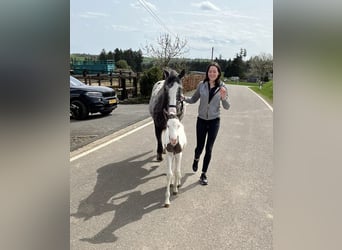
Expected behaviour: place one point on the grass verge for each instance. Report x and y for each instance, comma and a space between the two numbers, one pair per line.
265, 92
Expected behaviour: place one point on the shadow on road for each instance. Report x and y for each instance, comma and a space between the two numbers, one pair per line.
114, 179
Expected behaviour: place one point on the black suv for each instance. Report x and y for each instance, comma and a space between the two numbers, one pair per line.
86, 99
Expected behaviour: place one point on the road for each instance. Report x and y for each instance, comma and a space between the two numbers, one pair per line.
117, 191
97, 126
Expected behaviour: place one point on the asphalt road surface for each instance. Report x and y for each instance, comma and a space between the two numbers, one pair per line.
117, 191
83, 132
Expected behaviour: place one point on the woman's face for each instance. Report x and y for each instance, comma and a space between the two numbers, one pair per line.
213, 73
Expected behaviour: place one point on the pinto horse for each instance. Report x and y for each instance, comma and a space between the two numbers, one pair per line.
174, 141
165, 99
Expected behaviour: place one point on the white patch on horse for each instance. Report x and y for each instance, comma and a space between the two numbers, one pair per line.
157, 87
173, 136
173, 94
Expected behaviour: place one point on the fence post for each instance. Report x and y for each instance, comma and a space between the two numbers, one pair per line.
135, 86
124, 91
99, 79
111, 78
84, 73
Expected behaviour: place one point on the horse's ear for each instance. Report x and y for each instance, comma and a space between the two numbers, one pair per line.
181, 74
166, 74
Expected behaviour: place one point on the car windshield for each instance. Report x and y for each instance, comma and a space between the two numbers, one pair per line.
75, 83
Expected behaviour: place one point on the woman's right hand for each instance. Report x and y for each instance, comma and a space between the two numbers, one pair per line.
223, 93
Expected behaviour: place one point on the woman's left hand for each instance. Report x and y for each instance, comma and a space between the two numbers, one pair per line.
223, 93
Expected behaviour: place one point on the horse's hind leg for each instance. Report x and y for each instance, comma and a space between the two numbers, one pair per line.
158, 132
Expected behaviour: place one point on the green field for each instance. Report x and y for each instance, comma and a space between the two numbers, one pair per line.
266, 91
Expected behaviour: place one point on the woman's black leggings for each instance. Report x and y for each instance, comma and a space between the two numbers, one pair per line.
206, 129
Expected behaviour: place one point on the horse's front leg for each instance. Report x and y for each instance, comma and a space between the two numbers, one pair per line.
158, 132
169, 177
178, 174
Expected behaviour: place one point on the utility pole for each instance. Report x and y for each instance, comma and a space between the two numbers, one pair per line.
212, 53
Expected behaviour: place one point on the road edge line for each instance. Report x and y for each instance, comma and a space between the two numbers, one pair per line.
267, 104
93, 146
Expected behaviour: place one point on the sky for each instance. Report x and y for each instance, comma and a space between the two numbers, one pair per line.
225, 25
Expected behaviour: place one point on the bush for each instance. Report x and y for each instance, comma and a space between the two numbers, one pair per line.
122, 64
149, 78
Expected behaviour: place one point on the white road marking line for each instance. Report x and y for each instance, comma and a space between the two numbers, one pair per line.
269, 106
109, 142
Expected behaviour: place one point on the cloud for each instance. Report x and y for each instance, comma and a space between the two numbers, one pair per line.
89, 14
123, 28
206, 5
144, 4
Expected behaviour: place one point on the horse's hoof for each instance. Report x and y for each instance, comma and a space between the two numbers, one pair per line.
166, 205
175, 193
159, 157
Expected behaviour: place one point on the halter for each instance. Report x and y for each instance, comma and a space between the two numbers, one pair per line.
178, 100
172, 116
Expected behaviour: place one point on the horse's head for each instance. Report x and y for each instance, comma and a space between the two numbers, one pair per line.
173, 125
173, 85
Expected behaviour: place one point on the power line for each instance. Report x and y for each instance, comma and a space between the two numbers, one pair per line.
155, 16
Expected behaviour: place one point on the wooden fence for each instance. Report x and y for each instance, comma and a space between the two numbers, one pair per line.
126, 83
191, 80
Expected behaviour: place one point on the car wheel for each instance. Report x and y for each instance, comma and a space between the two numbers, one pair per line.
80, 111
106, 112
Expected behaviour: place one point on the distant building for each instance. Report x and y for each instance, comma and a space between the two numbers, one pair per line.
92, 67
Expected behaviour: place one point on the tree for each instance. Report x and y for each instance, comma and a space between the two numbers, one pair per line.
236, 67
179, 64
122, 64
103, 55
261, 66
166, 49
117, 54
133, 58
110, 55
149, 78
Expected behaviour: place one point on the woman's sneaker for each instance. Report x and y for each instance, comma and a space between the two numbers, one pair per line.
203, 179
195, 165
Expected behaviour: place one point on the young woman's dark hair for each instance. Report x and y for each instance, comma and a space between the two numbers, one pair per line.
217, 81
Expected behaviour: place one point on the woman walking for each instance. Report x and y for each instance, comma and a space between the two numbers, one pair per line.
211, 92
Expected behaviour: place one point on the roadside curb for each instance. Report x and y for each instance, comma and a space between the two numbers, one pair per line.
107, 139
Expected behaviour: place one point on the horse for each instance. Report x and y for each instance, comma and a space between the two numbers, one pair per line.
174, 141
166, 97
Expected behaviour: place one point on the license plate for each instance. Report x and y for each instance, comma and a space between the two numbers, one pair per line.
111, 101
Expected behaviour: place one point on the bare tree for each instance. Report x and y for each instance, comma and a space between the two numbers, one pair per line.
261, 65
166, 49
